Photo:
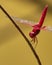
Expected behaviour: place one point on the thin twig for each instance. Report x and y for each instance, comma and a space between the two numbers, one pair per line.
34, 52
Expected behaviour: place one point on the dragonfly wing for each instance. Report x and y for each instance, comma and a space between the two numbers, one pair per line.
48, 28
30, 23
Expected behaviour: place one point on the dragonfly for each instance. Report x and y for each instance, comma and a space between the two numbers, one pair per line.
36, 28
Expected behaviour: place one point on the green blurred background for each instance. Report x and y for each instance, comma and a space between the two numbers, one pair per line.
14, 50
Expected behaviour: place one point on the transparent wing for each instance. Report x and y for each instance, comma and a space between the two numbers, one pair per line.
48, 28
30, 23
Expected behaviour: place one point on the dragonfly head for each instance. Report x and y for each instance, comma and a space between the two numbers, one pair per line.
31, 34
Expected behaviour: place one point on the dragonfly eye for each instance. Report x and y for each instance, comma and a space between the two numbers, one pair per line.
31, 34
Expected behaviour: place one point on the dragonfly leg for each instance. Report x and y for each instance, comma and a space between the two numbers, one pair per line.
36, 41
33, 39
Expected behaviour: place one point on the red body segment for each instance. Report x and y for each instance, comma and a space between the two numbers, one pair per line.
43, 16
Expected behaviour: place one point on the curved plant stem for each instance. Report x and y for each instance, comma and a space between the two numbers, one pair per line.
34, 52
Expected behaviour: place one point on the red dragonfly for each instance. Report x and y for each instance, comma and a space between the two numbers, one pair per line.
36, 27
